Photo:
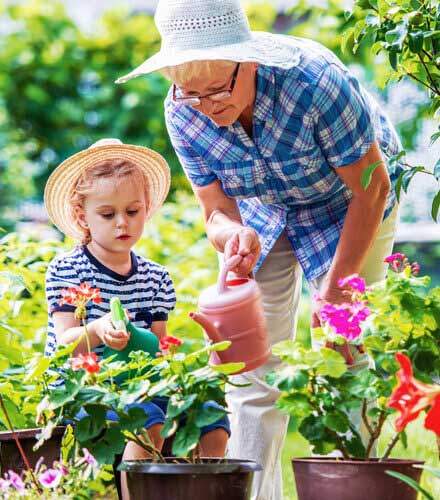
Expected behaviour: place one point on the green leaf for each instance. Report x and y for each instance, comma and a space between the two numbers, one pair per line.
17, 419
208, 414
436, 472
332, 364
178, 404
337, 421
296, 405
415, 42
186, 440
228, 368
112, 443
312, 428
355, 446
134, 419
435, 206
88, 428
169, 428
396, 36
410, 482
368, 173
68, 444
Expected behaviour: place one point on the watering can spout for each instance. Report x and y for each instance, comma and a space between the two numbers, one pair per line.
210, 328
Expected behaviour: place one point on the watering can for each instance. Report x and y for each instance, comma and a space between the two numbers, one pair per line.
232, 310
141, 339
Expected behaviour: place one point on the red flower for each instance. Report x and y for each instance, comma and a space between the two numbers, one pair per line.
411, 397
88, 362
168, 343
79, 296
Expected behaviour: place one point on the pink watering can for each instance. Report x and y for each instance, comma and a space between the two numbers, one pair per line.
232, 310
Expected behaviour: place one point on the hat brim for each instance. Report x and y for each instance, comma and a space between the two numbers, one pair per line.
263, 48
63, 179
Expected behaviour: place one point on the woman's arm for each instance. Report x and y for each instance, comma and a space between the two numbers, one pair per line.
362, 222
225, 228
101, 330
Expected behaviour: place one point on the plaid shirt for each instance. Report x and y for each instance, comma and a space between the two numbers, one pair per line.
308, 120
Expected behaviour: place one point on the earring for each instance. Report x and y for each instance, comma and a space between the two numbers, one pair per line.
85, 224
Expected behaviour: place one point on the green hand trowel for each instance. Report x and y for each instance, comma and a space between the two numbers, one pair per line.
140, 338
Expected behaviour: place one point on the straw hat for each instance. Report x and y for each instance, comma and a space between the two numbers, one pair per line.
63, 179
197, 30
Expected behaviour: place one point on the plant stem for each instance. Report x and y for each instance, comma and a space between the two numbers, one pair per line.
428, 74
421, 82
20, 449
147, 445
376, 433
365, 418
390, 446
89, 350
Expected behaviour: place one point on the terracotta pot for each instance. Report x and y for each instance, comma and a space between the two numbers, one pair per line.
211, 479
10, 457
320, 478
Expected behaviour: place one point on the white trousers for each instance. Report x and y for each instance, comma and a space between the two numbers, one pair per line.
258, 428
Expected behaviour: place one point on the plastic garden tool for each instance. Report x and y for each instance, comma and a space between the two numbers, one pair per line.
141, 339
232, 310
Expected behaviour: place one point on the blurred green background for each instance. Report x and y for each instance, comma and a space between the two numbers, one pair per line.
57, 96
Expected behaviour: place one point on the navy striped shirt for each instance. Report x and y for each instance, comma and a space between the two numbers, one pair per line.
147, 292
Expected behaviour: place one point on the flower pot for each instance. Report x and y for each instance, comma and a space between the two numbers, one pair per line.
213, 479
319, 478
10, 457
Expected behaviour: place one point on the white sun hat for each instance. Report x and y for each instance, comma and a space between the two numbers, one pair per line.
64, 178
196, 30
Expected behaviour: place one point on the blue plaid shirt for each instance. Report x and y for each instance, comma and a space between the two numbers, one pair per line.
308, 121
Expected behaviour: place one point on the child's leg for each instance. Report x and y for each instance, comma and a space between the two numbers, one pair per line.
134, 451
213, 443
215, 436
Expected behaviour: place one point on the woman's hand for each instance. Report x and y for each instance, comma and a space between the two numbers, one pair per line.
332, 296
243, 241
109, 335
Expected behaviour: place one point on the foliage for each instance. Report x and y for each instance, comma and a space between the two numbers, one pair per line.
321, 394
408, 32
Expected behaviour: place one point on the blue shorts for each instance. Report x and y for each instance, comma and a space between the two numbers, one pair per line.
155, 414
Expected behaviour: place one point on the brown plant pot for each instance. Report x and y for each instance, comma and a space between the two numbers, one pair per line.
319, 478
10, 457
177, 479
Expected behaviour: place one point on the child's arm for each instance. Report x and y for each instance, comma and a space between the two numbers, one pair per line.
101, 330
159, 328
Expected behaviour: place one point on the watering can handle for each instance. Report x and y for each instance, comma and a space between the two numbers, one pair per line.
228, 265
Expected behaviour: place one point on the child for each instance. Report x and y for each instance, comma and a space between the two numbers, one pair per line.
102, 197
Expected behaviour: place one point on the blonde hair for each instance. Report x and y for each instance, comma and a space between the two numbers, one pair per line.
184, 73
116, 169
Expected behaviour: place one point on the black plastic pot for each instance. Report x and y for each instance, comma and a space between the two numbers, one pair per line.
320, 478
10, 457
212, 479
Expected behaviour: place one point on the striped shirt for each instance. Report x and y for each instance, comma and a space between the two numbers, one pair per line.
147, 292
308, 121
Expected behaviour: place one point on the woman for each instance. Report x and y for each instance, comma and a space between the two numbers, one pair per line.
274, 134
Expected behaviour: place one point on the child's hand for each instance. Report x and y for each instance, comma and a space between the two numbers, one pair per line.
115, 338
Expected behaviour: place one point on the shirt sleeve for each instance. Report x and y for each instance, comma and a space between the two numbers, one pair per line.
59, 275
343, 124
195, 168
165, 299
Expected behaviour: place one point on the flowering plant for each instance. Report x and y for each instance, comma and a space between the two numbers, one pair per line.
85, 384
63, 480
328, 402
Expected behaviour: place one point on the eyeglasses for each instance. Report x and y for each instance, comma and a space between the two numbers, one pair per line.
219, 96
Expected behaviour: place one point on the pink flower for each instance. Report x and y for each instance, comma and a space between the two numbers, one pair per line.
63, 470
345, 319
415, 268
354, 281
15, 480
89, 458
4, 485
397, 261
50, 478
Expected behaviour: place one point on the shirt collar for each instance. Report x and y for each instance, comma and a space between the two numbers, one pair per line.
264, 99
